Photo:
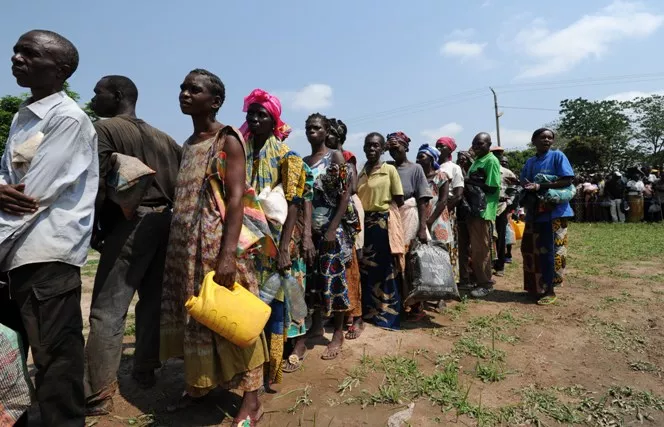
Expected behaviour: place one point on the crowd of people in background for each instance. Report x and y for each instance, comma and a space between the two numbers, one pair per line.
241, 203
633, 195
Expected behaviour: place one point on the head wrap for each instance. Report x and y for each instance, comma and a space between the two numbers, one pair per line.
431, 152
338, 129
399, 137
273, 106
449, 142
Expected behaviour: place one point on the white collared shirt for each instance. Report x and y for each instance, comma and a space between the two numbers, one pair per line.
63, 176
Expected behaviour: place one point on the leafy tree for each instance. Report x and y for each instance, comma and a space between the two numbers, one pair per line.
599, 134
10, 104
648, 122
8, 107
517, 158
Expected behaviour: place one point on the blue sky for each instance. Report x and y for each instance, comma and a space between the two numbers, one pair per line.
423, 67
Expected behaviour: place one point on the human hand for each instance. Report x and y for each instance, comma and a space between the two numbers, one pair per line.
226, 271
422, 235
309, 250
531, 186
14, 202
329, 239
283, 258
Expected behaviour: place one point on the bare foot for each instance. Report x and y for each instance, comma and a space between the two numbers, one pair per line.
334, 347
355, 330
251, 408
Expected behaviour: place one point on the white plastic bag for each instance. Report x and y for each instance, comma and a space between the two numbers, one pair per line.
410, 220
274, 204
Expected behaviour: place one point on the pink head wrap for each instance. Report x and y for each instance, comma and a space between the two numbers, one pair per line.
273, 106
448, 142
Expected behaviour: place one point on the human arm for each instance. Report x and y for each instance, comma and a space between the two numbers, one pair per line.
284, 260
424, 195
562, 169
12, 199
396, 189
104, 150
234, 185
308, 248
443, 191
353, 177
342, 205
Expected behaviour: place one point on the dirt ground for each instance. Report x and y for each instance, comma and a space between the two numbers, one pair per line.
596, 357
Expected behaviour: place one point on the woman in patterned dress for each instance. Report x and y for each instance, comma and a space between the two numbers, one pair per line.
270, 162
203, 239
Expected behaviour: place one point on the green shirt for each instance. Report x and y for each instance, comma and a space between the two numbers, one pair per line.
491, 166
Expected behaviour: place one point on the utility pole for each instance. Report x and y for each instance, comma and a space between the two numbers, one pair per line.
498, 114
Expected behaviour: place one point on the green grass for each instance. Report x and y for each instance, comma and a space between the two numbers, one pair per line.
606, 244
615, 336
90, 267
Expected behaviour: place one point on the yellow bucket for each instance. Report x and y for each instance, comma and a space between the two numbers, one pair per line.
235, 314
519, 227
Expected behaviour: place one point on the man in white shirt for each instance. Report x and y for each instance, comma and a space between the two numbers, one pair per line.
48, 184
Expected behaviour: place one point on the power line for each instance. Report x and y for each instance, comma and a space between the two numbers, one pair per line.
528, 108
470, 95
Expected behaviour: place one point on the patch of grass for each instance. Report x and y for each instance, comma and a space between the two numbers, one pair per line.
495, 326
300, 401
471, 346
657, 278
357, 374
458, 309
490, 372
130, 325
617, 337
644, 366
130, 330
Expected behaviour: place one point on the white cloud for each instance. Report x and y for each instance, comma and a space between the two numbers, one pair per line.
448, 129
512, 138
310, 97
632, 94
557, 51
461, 34
463, 49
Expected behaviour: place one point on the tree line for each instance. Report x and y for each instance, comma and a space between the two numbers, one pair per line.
605, 136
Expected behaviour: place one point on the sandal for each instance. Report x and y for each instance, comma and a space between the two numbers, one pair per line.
331, 353
547, 300
354, 331
249, 421
293, 364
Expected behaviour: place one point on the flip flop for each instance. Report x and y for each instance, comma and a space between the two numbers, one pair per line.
547, 300
249, 421
354, 332
331, 354
294, 363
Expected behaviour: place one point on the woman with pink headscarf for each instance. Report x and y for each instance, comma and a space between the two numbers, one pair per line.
270, 163
446, 145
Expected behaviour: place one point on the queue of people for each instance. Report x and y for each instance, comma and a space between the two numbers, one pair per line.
632, 196
341, 237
